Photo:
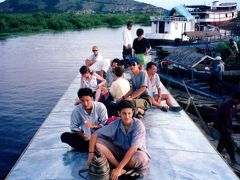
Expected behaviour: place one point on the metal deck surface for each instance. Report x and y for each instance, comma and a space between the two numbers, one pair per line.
177, 148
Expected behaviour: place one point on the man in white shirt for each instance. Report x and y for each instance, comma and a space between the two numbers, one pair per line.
95, 61
127, 42
154, 90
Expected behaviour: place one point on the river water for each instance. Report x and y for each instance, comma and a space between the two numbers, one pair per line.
35, 71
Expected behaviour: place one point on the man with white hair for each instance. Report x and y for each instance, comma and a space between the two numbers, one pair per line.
96, 62
217, 70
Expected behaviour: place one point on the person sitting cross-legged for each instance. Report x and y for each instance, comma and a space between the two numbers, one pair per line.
154, 90
138, 93
87, 117
123, 142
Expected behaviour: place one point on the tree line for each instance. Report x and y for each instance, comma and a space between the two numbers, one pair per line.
38, 22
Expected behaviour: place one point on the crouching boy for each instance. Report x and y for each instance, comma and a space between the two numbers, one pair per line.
123, 142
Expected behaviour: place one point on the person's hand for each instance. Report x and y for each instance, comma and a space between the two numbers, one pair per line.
90, 157
116, 173
88, 124
158, 99
129, 98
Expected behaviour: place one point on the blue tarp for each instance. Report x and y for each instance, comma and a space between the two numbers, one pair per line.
177, 148
182, 11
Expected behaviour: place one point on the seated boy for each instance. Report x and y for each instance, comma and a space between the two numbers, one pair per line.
123, 142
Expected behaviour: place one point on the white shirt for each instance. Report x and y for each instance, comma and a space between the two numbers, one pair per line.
127, 38
92, 84
152, 86
119, 88
96, 58
98, 65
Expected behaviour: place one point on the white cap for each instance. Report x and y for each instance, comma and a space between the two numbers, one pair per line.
218, 58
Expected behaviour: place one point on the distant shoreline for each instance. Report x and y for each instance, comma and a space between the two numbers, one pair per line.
17, 24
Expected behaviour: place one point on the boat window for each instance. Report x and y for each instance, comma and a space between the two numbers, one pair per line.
226, 15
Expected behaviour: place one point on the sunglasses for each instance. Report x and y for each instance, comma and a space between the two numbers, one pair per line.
94, 50
132, 64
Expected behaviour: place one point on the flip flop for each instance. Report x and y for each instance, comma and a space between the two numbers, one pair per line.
164, 108
132, 173
175, 108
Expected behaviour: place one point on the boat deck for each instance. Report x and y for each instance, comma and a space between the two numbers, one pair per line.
178, 149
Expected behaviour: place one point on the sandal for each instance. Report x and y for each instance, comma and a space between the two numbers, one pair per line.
175, 108
164, 108
132, 173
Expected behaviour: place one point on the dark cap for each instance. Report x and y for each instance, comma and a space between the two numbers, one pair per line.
125, 104
131, 60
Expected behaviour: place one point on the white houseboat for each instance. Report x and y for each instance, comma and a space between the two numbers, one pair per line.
215, 14
171, 26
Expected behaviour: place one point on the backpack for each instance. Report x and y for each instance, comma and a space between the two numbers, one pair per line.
98, 169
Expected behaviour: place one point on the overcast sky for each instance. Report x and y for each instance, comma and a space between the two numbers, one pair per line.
168, 4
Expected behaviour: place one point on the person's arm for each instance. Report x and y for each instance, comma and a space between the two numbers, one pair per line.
125, 38
103, 81
148, 47
90, 60
88, 124
103, 115
138, 92
129, 93
159, 97
91, 149
158, 85
81, 82
75, 123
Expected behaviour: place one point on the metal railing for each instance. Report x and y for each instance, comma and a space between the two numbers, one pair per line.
169, 18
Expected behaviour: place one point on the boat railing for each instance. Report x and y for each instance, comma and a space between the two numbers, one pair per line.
167, 18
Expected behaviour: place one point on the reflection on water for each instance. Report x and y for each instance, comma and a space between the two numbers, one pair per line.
34, 73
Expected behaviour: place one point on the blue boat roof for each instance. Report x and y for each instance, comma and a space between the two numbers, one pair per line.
178, 149
180, 11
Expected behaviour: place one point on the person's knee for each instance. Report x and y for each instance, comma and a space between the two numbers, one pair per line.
65, 136
100, 144
141, 159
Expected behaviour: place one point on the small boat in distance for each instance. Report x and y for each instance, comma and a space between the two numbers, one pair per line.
215, 14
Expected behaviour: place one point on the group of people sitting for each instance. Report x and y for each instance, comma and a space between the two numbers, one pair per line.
120, 139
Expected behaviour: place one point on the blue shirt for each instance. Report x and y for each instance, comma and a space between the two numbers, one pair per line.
98, 116
115, 132
140, 80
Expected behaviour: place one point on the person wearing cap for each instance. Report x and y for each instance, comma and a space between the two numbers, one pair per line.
138, 93
234, 48
127, 42
141, 48
86, 118
123, 142
217, 70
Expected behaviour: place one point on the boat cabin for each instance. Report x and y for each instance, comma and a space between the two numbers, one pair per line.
215, 14
171, 26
